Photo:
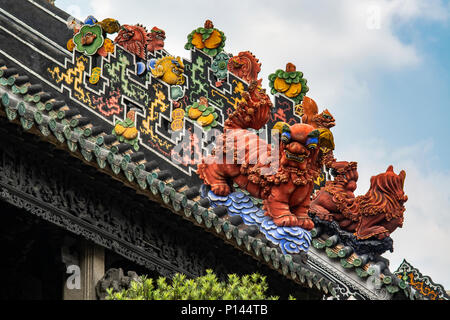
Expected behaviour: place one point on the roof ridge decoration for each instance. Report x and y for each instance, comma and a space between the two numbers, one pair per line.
424, 285
17, 100
126, 94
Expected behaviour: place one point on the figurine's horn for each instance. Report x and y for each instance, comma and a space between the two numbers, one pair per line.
285, 131
390, 169
281, 127
314, 134
402, 176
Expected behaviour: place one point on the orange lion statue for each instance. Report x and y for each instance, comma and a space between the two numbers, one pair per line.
376, 214
283, 177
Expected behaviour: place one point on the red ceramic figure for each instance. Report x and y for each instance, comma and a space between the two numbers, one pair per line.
156, 39
376, 214
245, 66
134, 39
286, 191
312, 117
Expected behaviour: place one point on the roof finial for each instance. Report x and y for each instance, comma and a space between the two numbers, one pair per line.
290, 67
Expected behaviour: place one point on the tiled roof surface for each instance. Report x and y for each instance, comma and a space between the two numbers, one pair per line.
423, 285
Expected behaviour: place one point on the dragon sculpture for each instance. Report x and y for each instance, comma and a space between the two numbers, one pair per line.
169, 69
156, 39
245, 66
284, 180
134, 39
375, 215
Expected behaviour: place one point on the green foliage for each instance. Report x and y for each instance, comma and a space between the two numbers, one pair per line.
207, 287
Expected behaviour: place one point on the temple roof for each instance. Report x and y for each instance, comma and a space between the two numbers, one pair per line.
422, 284
43, 99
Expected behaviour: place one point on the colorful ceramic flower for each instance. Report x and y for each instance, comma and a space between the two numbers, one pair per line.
176, 93
220, 65
89, 39
208, 39
290, 83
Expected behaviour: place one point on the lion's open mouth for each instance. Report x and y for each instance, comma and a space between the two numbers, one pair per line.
295, 157
178, 72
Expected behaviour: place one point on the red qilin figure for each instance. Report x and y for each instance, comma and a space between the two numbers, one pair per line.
376, 214
134, 39
286, 192
246, 66
156, 39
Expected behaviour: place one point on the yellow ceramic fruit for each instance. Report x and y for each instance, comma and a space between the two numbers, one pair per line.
294, 90
130, 133
280, 85
205, 120
194, 113
197, 41
214, 40
119, 129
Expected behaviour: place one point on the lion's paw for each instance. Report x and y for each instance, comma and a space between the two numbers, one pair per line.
286, 221
221, 189
383, 235
306, 224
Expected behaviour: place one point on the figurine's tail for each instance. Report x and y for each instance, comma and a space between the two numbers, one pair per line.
252, 113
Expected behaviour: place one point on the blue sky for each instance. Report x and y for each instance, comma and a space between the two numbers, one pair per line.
381, 67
